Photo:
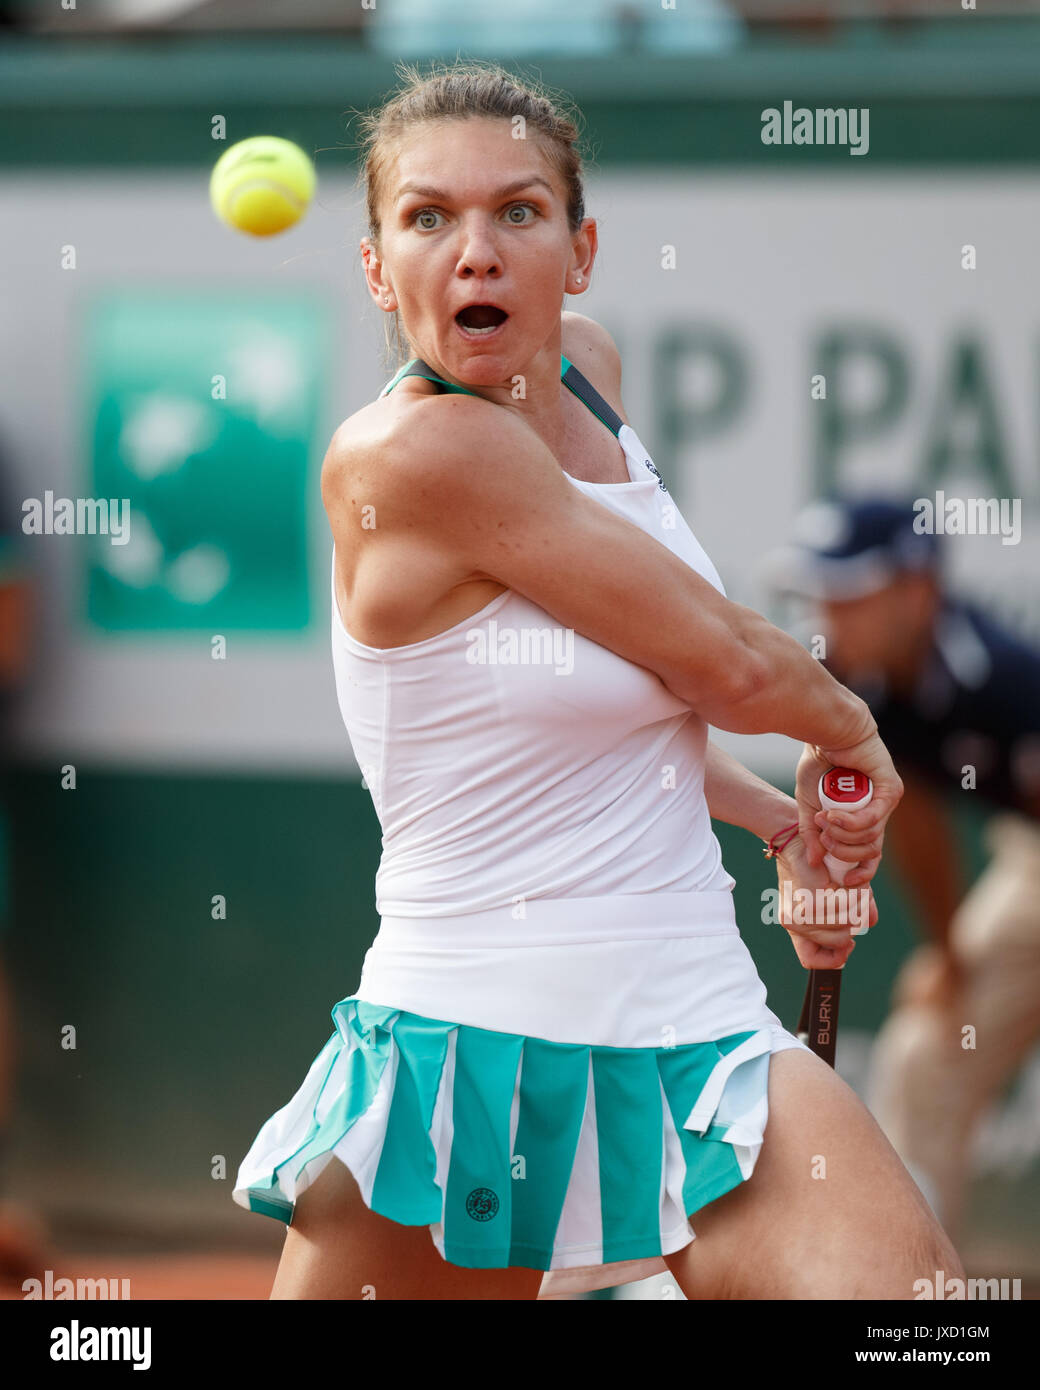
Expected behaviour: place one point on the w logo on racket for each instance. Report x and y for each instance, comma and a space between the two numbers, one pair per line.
845, 784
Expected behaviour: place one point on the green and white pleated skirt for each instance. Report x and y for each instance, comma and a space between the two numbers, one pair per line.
584, 1161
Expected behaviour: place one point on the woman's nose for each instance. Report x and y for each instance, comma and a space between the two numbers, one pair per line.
478, 252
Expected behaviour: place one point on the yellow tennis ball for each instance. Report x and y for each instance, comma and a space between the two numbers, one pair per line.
262, 185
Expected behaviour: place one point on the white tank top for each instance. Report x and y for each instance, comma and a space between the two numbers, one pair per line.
536, 791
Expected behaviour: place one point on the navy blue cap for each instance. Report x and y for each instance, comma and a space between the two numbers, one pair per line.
845, 547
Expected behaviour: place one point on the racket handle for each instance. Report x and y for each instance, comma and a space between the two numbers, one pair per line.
818, 1023
844, 789
841, 789
838, 868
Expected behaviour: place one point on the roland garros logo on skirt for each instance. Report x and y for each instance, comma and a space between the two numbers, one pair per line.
482, 1204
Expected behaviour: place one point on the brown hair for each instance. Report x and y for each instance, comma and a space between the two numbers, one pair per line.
459, 91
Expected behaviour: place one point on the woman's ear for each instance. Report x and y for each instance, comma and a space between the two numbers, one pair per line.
373, 268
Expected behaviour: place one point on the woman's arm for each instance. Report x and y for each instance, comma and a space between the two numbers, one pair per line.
735, 795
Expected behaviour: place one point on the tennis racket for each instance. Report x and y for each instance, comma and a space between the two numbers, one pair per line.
841, 789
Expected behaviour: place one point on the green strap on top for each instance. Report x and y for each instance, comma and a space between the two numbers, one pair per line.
569, 375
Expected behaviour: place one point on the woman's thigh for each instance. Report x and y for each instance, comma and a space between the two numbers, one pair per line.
829, 1211
338, 1248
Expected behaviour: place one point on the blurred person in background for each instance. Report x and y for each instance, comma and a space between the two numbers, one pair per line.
956, 698
21, 1236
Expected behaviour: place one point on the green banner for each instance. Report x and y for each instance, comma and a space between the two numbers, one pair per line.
202, 411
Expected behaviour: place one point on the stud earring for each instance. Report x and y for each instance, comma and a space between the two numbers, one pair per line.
578, 278
386, 299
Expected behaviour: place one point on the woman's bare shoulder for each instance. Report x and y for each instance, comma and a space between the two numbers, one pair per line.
589, 340
407, 415
388, 445
593, 351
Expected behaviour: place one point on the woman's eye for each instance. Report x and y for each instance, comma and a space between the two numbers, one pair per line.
425, 212
519, 207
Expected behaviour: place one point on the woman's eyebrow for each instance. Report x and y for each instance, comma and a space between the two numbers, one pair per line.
426, 191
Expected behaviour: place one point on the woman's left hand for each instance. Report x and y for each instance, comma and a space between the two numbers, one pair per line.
818, 947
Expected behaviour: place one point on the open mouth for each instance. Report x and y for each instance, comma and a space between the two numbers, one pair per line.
480, 318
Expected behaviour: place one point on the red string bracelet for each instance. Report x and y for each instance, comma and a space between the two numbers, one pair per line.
788, 833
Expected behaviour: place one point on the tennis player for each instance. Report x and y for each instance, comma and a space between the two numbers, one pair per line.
559, 1050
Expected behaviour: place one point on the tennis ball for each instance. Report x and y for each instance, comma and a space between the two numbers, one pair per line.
262, 185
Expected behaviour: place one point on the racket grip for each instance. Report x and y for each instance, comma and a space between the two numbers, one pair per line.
844, 789
838, 868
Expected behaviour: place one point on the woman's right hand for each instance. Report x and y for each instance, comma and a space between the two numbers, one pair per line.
855, 836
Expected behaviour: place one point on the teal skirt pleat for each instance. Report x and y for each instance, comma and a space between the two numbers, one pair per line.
554, 1087
479, 1196
405, 1182
631, 1142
